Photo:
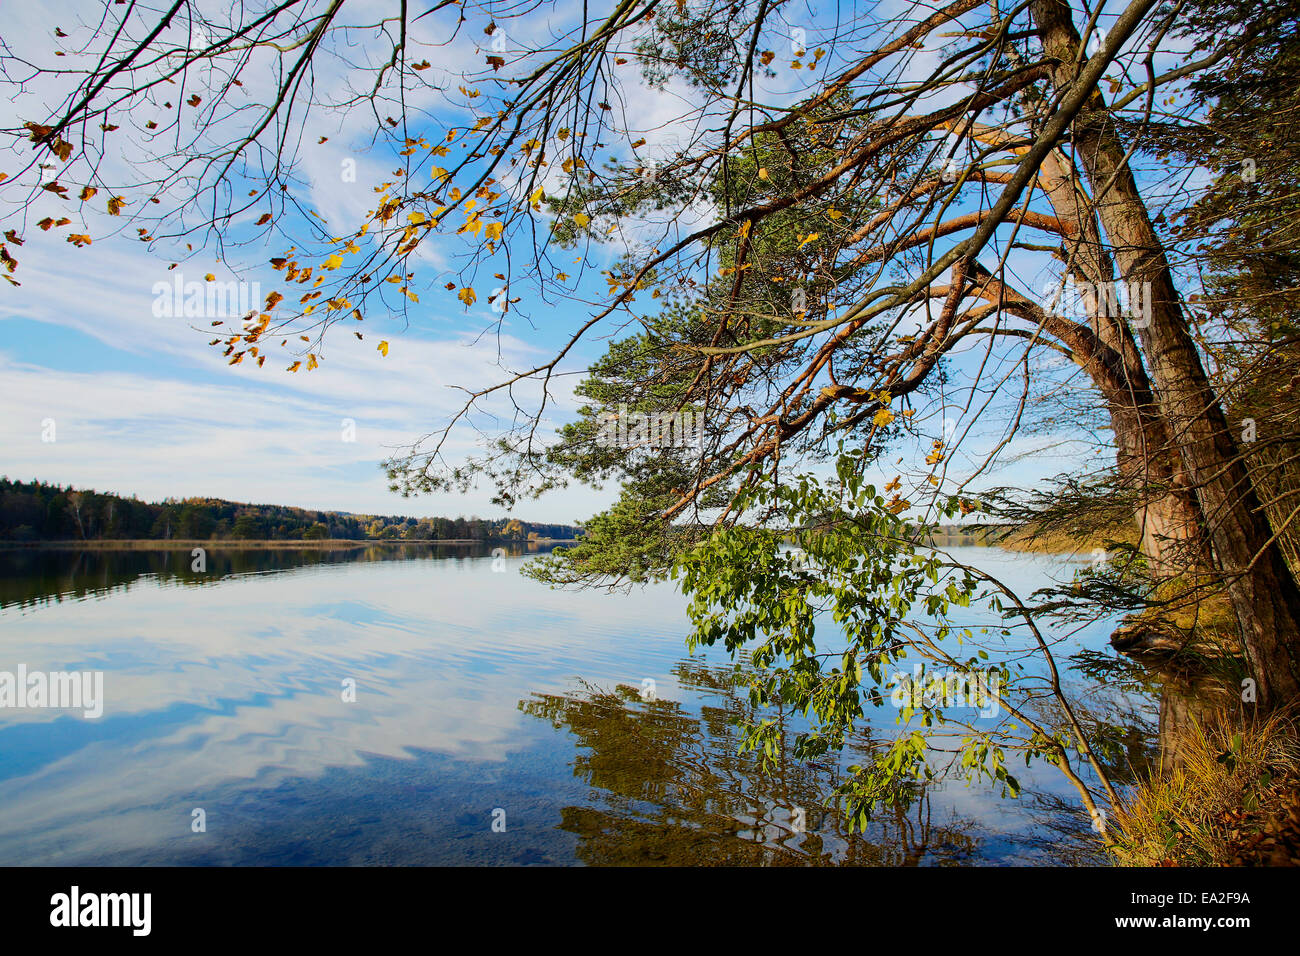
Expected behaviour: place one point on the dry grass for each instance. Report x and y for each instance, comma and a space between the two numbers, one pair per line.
1059, 541
1231, 789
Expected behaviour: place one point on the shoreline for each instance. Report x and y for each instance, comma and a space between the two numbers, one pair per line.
1008, 542
267, 544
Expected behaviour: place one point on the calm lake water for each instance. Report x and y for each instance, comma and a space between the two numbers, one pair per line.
480, 696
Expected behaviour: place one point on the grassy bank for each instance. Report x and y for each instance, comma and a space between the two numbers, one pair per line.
1062, 542
1232, 799
1032, 539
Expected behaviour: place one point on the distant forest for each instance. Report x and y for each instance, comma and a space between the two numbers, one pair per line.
37, 511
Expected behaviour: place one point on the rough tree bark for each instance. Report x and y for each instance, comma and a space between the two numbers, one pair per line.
1167, 515
1261, 587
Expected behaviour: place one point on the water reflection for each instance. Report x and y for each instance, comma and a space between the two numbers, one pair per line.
670, 787
477, 689
34, 576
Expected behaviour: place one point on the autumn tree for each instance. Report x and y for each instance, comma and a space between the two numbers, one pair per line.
846, 240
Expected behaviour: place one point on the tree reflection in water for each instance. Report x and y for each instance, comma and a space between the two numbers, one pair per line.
674, 790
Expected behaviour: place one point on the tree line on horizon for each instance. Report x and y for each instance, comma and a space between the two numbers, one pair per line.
45, 511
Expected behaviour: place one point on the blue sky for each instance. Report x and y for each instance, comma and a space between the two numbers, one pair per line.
141, 405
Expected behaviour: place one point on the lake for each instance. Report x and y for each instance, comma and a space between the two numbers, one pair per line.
429, 705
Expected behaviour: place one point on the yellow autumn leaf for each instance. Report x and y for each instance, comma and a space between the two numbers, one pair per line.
581, 219
210, 277
115, 206
494, 230
466, 295
383, 348
333, 262
883, 417
536, 197
804, 240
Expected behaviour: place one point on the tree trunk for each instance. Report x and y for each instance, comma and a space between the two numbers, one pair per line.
1166, 513
1258, 581
1168, 519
